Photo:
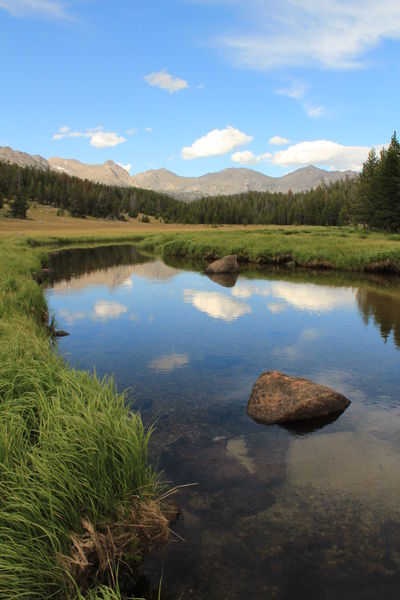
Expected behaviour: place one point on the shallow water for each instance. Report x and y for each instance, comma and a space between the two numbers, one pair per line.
311, 512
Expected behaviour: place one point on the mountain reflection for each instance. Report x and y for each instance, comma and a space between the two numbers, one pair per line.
383, 309
110, 266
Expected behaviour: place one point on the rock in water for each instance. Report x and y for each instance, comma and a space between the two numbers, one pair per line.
227, 264
279, 398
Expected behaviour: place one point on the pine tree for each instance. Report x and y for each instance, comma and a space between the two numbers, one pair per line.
387, 208
19, 206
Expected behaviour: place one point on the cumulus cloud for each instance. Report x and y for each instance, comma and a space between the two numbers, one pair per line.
322, 152
23, 8
216, 142
331, 35
98, 137
277, 140
165, 81
248, 158
106, 139
148, 129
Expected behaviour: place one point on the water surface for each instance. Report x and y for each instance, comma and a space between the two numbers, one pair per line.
285, 513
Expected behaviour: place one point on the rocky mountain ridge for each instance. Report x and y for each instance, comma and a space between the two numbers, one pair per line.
225, 182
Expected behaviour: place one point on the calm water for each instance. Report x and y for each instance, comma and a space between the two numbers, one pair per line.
277, 513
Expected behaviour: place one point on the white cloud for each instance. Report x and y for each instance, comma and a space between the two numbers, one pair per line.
169, 362
322, 152
216, 305
131, 131
277, 140
23, 8
98, 137
106, 139
216, 142
148, 129
334, 34
165, 81
248, 158
127, 167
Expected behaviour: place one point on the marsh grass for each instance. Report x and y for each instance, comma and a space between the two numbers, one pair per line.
77, 495
319, 247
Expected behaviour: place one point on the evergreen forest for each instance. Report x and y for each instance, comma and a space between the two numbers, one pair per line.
371, 199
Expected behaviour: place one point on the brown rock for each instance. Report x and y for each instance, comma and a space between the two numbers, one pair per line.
279, 398
227, 264
225, 279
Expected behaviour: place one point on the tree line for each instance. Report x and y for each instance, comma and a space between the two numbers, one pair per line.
80, 197
371, 199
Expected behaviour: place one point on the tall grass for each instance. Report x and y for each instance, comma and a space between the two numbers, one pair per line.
70, 455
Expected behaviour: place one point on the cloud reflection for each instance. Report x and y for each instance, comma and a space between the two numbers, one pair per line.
105, 310
313, 298
169, 362
246, 290
276, 307
216, 305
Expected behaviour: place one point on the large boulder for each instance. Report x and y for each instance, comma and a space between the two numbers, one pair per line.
279, 398
227, 264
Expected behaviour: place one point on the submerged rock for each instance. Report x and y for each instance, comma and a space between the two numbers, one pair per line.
279, 398
227, 264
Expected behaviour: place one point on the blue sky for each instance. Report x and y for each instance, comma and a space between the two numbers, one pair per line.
196, 86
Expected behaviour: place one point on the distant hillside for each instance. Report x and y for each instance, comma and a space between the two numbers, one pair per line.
235, 181
109, 173
226, 182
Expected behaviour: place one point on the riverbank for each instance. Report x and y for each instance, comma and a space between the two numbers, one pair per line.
343, 249
78, 495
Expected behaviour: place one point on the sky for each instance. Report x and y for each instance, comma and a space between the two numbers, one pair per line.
196, 86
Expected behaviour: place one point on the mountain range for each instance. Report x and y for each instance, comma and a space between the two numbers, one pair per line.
228, 181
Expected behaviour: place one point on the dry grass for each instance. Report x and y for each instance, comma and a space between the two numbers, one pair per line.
44, 220
97, 552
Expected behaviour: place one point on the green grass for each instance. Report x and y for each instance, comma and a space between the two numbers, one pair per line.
69, 450
336, 248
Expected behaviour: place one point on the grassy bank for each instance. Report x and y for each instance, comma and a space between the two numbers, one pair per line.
77, 495
318, 247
